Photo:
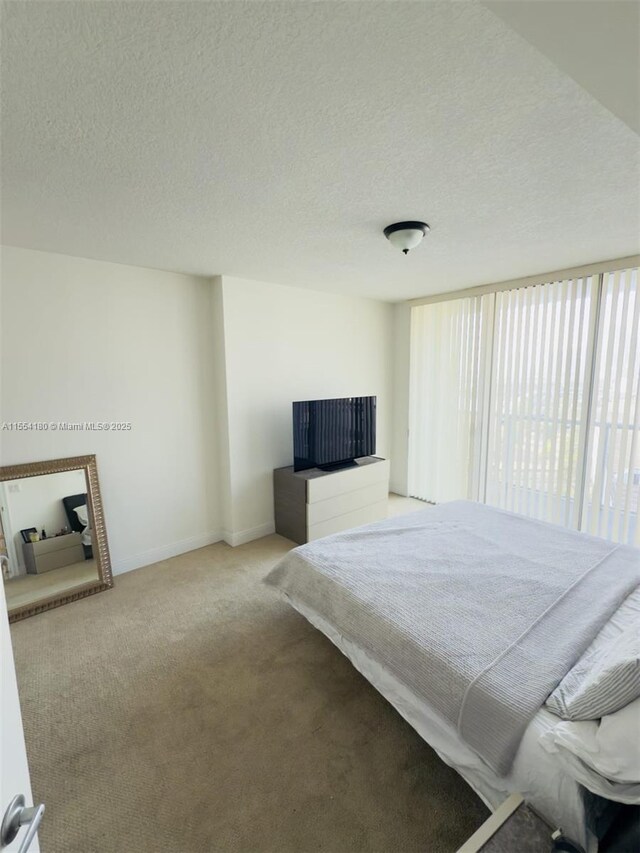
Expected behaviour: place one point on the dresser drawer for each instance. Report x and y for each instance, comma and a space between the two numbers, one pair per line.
311, 504
55, 543
364, 515
55, 559
348, 502
349, 480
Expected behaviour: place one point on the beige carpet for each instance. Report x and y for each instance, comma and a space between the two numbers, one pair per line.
189, 710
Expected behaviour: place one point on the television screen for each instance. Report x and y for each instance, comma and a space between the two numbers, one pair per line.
332, 433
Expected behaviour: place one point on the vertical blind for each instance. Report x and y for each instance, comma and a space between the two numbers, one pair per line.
448, 353
538, 400
612, 464
528, 399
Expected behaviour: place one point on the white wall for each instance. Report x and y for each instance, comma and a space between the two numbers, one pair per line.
84, 340
220, 384
401, 375
205, 371
284, 344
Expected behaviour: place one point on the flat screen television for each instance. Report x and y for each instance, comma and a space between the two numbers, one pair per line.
331, 434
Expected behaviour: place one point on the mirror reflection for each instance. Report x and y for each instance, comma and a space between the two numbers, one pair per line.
46, 537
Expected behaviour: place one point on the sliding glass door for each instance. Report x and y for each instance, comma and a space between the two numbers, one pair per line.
528, 399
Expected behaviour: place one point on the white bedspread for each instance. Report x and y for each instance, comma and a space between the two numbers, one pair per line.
480, 612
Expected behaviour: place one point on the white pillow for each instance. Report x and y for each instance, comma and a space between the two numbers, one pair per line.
610, 747
607, 676
83, 514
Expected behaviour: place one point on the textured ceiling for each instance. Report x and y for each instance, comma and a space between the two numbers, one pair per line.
275, 140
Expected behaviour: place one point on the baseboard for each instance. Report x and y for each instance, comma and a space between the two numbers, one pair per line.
401, 491
165, 552
244, 536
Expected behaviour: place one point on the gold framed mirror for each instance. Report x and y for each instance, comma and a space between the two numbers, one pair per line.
53, 538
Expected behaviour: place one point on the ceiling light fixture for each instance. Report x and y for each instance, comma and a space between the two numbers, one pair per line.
406, 235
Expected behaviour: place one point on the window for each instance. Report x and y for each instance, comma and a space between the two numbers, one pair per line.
528, 399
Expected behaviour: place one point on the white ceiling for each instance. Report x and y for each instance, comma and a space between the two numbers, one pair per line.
275, 140
596, 43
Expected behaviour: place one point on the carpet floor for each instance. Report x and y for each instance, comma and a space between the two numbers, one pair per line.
189, 710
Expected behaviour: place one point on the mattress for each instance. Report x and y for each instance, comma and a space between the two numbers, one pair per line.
535, 774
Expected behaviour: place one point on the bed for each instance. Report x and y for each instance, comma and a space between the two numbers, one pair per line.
466, 618
77, 510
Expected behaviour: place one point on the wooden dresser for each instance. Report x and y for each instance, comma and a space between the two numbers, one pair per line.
313, 503
52, 553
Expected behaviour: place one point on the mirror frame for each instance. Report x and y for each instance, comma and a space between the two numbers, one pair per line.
100, 544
